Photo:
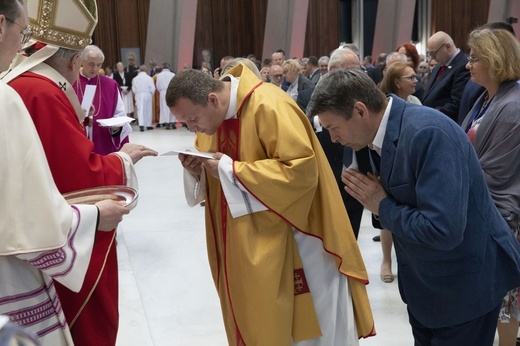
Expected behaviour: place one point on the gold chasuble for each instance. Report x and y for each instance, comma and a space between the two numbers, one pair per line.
254, 259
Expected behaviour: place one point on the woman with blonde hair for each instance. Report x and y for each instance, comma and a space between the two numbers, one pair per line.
292, 72
493, 126
264, 72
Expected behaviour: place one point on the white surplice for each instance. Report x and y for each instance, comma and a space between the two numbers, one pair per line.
162, 82
143, 88
41, 236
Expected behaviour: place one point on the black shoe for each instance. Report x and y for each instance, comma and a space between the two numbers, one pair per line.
173, 126
149, 128
158, 126
168, 127
141, 128
377, 238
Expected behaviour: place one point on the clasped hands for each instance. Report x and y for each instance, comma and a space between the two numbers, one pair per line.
193, 164
367, 189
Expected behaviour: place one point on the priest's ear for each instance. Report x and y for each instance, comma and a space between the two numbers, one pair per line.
213, 100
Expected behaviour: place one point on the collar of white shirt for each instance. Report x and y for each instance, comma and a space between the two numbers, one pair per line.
377, 143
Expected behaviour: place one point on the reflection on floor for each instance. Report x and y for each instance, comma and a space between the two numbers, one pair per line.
167, 296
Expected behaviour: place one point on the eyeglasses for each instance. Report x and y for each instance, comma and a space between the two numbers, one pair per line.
411, 77
278, 75
472, 61
434, 54
25, 35
285, 71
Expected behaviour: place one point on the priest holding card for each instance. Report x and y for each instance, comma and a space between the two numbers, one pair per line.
283, 256
107, 103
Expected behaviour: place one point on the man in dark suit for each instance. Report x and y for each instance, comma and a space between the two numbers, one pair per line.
456, 255
341, 58
449, 77
314, 69
335, 156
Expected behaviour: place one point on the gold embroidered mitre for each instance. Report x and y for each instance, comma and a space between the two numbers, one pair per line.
63, 23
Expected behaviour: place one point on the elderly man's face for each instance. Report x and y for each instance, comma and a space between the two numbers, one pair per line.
91, 65
276, 75
324, 67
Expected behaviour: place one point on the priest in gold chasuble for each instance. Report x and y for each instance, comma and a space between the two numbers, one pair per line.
283, 256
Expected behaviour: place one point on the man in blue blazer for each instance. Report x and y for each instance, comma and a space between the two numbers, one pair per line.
449, 77
456, 256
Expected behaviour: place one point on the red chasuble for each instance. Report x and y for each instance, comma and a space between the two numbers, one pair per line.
91, 313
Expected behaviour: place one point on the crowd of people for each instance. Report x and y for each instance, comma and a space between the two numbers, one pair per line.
428, 144
435, 198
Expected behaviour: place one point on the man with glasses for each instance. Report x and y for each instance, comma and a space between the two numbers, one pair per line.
276, 75
448, 79
340, 157
25, 34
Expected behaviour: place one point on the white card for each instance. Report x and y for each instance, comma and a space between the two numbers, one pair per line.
88, 97
187, 152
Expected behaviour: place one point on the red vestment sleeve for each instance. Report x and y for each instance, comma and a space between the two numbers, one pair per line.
73, 163
92, 313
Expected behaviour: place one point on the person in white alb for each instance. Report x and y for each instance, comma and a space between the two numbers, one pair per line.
143, 88
163, 80
41, 237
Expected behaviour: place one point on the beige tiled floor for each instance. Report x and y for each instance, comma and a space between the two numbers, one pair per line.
167, 296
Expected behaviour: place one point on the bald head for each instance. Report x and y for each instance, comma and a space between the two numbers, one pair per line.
439, 38
343, 58
441, 47
276, 74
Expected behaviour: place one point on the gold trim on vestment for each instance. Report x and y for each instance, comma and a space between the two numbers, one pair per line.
46, 30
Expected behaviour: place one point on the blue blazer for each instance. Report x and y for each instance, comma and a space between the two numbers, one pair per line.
445, 93
456, 256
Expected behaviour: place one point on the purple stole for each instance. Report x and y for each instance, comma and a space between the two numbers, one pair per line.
104, 105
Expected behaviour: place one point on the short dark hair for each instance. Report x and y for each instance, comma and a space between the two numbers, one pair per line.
193, 85
9, 8
338, 90
313, 61
280, 50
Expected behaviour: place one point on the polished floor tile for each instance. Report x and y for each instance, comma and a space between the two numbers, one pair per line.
167, 296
